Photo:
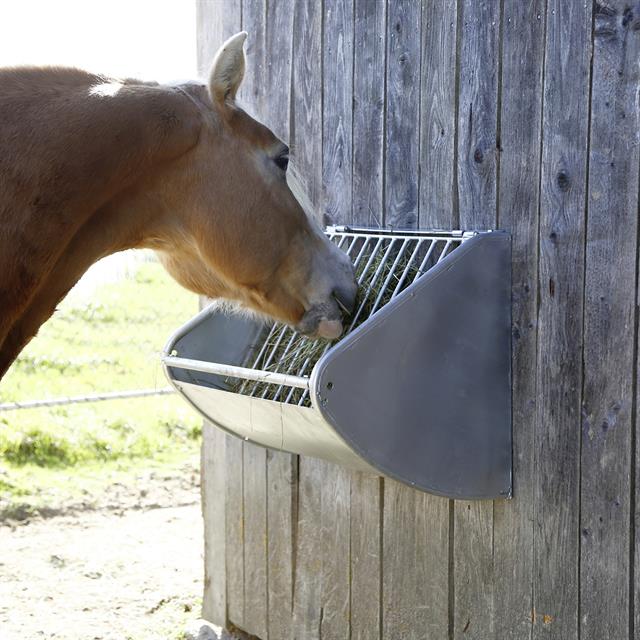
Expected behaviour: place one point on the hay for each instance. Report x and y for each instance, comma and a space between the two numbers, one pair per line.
289, 352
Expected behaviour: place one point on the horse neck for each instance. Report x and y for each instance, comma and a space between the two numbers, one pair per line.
128, 222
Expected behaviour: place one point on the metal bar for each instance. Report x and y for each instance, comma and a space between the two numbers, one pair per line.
444, 251
257, 359
281, 359
405, 273
361, 240
356, 264
408, 233
423, 264
94, 397
268, 356
361, 278
372, 281
268, 377
266, 362
390, 275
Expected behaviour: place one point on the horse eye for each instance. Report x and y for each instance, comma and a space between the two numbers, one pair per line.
282, 162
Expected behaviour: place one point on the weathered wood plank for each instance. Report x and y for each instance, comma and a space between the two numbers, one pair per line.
306, 120
306, 138
402, 151
635, 511
234, 556
415, 564
255, 540
252, 96
606, 472
367, 210
337, 103
214, 26
337, 106
335, 551
282, 496
366, 558
307, 608
282, 468
477, 112
520, 131
438, 115
561, 282
215, 22
368, 111
415, 528
212, 472
473, 613
279, 55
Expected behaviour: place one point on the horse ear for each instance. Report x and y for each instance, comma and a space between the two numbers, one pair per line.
227, 70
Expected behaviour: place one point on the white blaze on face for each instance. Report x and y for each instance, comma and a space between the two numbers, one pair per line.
106, 89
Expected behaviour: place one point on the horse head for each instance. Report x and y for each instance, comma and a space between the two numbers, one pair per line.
239, 231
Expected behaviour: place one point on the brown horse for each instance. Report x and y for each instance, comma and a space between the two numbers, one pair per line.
91, 166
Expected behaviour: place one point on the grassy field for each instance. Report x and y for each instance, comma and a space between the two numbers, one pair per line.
106, 339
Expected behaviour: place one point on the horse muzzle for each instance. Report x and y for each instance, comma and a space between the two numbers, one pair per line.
325, 320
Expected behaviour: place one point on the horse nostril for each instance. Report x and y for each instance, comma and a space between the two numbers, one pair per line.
346, 299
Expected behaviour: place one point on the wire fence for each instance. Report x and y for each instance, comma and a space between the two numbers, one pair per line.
94, 397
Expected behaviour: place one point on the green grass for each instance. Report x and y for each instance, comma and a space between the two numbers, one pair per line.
108, 340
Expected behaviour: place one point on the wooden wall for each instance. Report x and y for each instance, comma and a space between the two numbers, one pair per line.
504, 114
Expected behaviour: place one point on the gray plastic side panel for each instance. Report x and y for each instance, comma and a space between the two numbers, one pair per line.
214, 336
422, 391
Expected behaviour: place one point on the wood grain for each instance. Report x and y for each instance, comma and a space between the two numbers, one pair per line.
403, 114
307, 607
306, 135
282, 510
252, 96
306, 115
438, 115
366, 556
477, 112
337, 105
234, 522
282, 468
367, 210
518, 192
611, 254
473, 614
369, 51
214, 604
255, 540
561, 292
415, 564
213, 28
335, 550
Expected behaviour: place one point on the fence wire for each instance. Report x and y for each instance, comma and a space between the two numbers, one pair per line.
95, 397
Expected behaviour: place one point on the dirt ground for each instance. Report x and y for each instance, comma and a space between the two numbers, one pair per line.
127, 566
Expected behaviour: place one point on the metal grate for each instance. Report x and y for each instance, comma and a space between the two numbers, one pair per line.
386, 263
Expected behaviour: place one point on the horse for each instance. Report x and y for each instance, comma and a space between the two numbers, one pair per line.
91, 165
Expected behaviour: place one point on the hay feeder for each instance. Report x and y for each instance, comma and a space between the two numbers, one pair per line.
418, 389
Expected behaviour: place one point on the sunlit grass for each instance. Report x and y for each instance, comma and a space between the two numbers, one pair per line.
107, 343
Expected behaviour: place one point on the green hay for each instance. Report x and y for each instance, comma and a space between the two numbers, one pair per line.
297, 355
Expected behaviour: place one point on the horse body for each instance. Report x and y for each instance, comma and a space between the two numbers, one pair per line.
91, 166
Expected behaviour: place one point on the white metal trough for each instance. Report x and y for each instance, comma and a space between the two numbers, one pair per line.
419, 388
